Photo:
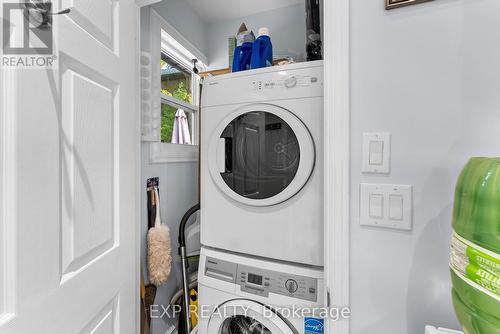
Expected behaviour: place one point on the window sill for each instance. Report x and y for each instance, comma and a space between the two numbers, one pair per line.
161, 153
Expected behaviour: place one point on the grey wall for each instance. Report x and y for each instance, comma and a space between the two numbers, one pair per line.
184, 19
429, 75
178, 181
287, 27
178, 192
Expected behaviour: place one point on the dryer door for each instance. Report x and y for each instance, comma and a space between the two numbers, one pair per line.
261, 155
242, 316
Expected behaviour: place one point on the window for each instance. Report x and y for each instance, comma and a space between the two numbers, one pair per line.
177, 121
177, 110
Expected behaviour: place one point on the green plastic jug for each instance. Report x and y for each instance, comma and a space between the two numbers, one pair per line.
475, 247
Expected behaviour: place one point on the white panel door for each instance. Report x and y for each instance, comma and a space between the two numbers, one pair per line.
69, 148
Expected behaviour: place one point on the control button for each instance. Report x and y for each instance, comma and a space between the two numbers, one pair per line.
312, 290
291, 285
314, 79
291, 82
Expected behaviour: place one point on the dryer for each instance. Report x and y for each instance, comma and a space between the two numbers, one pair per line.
261, 162
239, 294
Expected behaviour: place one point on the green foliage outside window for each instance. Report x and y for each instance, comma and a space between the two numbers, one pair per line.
181, 92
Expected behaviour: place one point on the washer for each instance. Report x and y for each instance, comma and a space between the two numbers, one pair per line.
240, 294
261, 163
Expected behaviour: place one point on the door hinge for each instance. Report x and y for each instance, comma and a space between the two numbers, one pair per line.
327, 297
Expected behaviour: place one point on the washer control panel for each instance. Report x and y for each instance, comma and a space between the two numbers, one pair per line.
261, 281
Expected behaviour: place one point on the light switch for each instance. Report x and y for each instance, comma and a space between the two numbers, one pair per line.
386, 205
396, 207
376, 152
376, 205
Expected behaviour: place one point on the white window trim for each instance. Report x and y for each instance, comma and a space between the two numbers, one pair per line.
337, 164
163, 35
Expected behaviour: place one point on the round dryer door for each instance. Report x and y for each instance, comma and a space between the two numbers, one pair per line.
261, 155
241, 316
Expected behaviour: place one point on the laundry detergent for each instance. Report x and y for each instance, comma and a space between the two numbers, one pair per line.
475, 247
243, 51
262, 53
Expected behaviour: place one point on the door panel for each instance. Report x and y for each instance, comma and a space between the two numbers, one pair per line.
88, 177
69, 148
95, 17
104, 322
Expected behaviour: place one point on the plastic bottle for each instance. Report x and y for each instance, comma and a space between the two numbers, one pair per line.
262, 53
475, 250
243, 50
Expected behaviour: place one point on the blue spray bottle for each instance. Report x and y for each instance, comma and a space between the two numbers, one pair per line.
262, 53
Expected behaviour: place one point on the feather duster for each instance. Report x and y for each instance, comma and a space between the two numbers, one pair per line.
159, 249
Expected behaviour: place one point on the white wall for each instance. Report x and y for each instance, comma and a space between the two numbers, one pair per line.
429, 75
287, 27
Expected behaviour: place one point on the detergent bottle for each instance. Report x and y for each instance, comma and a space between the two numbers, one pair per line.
243, 50
475, 247
262, 53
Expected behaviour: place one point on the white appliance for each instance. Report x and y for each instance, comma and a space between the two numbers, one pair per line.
434, 330
262, 165
240, 294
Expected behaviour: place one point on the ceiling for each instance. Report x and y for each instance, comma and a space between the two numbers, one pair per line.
224, 10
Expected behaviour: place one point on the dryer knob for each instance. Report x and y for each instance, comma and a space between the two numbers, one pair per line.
291, 285
291, 82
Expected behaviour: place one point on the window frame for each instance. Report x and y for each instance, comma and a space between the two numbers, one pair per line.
167, 40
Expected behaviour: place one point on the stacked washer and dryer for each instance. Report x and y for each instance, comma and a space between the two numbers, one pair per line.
261, 201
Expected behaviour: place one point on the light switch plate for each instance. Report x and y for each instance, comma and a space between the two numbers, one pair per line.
386, 205
376, 153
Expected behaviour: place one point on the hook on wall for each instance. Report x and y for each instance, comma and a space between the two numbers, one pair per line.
195, 69
39, 13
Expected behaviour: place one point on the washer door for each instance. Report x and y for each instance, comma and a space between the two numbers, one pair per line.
242, 316
261, 155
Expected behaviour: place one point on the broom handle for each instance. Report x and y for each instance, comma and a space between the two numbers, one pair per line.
157, 216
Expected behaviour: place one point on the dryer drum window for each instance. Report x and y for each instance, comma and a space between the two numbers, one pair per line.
262, 155
241, 324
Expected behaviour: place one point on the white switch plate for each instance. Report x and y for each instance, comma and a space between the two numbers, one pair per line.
376, 153
386, 205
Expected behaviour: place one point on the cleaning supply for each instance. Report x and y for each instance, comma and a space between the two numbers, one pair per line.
193, 307
262, 52
243, 50
159, 249
475, 247
231, 46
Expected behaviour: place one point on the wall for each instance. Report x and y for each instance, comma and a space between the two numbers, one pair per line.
178, 192
287, 27
429, 75
184, 19
178, 181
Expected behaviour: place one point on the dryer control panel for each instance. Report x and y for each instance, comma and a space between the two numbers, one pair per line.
287, 82
295, 81
261, 281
